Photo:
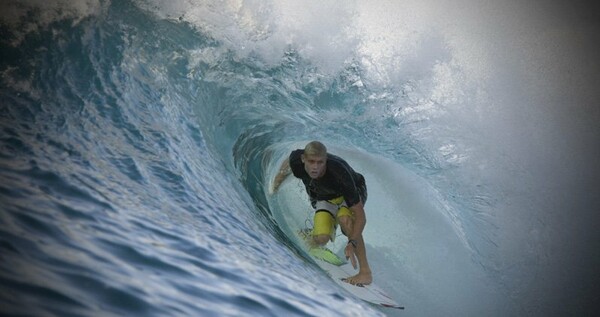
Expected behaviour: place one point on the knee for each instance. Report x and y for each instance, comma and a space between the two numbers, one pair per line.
346, 224
321, 239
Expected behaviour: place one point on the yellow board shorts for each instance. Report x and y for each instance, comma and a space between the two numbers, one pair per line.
327, 213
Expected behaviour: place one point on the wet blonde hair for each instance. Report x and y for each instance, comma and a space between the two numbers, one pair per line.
315, 148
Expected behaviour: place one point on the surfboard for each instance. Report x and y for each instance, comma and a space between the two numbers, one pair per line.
371, 293
339, 269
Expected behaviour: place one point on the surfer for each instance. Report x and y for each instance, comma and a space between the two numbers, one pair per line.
338, 194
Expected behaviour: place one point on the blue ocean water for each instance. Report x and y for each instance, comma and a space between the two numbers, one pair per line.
139, 140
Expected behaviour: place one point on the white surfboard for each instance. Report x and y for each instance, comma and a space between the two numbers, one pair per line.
338, 269
370, 293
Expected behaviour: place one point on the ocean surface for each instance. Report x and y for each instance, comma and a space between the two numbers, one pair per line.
139, 140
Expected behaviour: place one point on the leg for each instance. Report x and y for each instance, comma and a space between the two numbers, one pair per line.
364, 275
324, 228
321, 239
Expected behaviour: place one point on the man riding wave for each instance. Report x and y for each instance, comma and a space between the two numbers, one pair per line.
338, 194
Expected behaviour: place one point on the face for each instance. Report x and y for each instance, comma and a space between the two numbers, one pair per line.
314, 165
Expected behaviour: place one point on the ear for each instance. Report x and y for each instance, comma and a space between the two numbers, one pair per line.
302, 157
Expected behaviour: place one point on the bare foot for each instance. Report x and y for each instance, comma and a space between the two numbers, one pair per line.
360, 279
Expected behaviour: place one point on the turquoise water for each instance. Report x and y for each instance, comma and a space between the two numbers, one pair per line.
139, 140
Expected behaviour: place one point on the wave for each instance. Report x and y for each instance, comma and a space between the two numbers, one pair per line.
140, 139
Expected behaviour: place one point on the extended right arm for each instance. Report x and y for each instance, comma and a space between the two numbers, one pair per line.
283, 173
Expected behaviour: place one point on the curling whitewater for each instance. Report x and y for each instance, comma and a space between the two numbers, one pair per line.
114, 202
139, 139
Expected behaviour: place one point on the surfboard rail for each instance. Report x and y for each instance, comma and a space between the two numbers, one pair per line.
338, 269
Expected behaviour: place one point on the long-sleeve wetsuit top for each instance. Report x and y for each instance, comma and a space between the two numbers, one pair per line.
339, 180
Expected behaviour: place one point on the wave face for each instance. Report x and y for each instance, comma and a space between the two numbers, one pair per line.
139, 140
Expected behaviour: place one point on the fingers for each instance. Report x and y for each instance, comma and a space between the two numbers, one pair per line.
351, 255
353, 260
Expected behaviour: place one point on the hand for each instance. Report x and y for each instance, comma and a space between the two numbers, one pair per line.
350, 254
275, 185
272, 190
284, 171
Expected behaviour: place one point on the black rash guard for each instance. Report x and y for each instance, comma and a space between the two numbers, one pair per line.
339, 180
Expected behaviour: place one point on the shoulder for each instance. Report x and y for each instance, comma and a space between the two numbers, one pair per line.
296, 156
337, 163
339, 168
295, 161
